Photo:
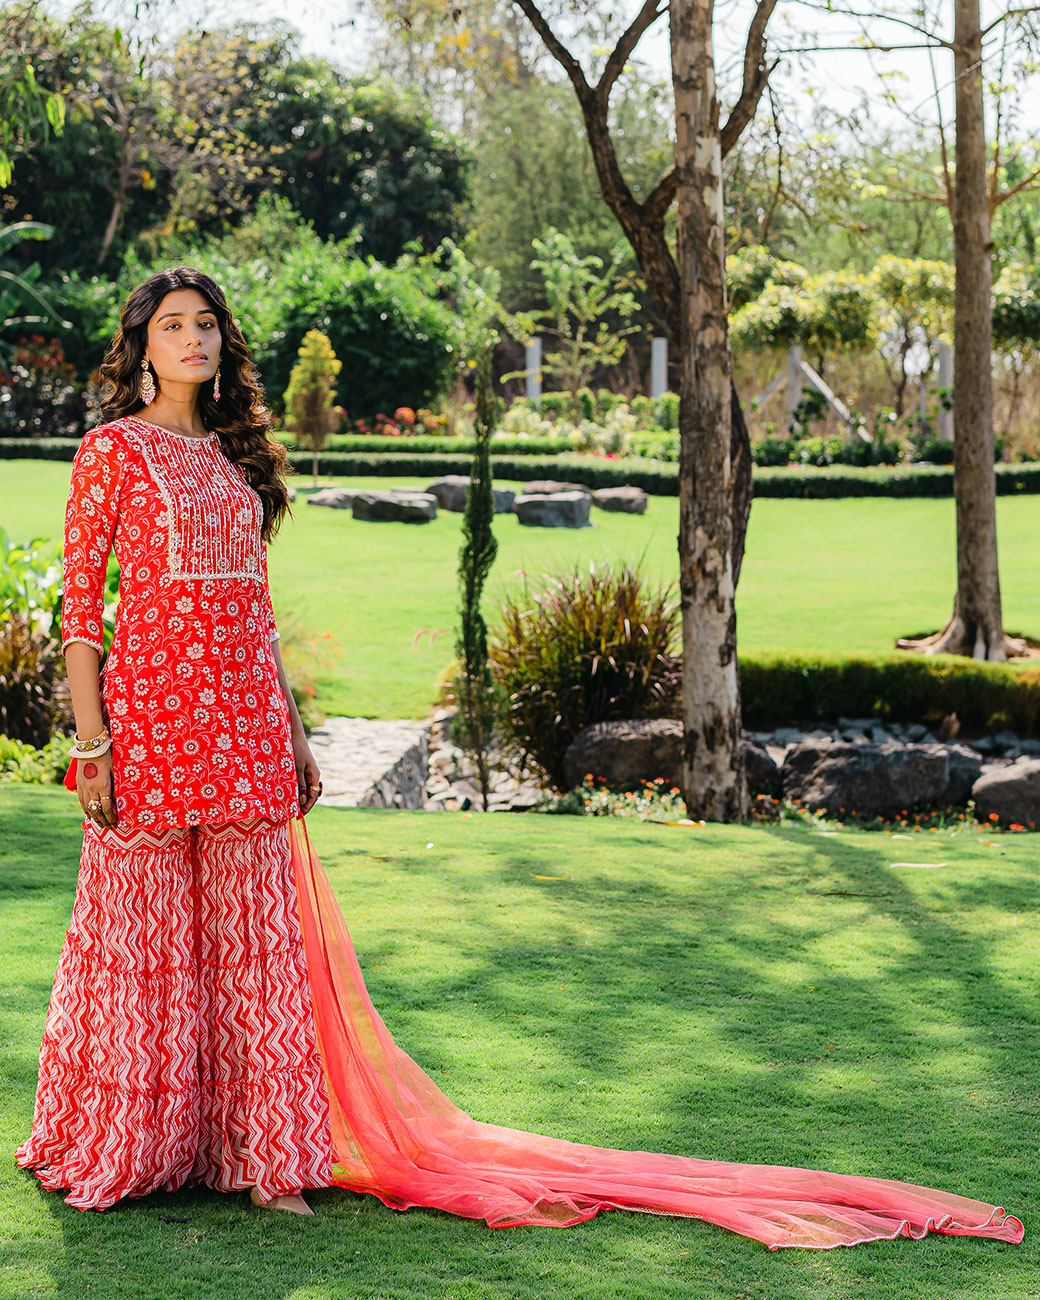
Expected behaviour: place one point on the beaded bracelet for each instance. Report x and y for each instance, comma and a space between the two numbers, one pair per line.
75, 752
99, 744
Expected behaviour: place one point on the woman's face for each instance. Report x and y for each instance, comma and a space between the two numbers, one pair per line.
183, 339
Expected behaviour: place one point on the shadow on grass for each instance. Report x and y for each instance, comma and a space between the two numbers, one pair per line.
769, 996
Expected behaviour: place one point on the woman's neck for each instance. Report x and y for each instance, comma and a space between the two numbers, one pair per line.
177, 412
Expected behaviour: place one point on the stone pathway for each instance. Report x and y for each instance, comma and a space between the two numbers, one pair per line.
372, 763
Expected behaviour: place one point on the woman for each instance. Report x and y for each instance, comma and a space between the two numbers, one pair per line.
209, 1022
188, 773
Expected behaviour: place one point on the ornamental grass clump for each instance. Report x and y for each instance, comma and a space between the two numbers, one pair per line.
593, 646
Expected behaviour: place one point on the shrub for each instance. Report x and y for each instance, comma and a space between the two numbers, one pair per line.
39, 395
32, 673
654, 444
28, 668
25, 763
591, 647
309, 408
92, 305
778, 689
395, 340
554, 406
772, 451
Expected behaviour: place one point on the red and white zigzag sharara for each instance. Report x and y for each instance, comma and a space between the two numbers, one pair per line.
179, 1045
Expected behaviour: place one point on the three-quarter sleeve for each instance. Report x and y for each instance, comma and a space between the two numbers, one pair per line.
90, 525
268, 607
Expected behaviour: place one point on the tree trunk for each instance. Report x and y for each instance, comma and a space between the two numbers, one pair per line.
714, 785
976, 627
977, 606
122, 184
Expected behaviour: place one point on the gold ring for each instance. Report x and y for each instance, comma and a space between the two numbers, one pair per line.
94, 805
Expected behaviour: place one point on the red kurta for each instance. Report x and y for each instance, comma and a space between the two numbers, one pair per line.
200, 728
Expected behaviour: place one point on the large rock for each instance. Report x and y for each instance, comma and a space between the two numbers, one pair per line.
450, 492
629, 752
1012, 792
763, 774
337, 498
395, 507
626, 753
549, 487
628, 500
557, 510
870, 779
965, 770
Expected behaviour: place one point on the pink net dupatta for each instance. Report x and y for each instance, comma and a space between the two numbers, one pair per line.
399, 1137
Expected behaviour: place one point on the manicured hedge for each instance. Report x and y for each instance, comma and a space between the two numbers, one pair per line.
784, 689
594, 473
884, 481
38, 448
436, 444
656, 477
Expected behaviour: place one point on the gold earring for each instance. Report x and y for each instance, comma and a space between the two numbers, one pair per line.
147, 388
216, 385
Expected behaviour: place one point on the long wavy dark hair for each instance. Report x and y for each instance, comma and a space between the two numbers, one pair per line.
240, 418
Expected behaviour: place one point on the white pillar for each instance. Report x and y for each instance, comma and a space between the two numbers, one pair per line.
658, 367
533, 370
946, 383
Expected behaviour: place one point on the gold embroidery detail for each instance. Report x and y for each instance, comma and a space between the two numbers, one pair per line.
213, 516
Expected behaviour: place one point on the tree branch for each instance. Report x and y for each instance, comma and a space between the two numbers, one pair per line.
944, 148
756, 75
630, 38
555, 46
866, 46
660, 198
877, 17
1008, 14
1002, 196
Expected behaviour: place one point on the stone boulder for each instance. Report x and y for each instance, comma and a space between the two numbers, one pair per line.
395, 507
628, 500
763, 774
965, 770
450, 492
629, 752
555, 510
1012, 792
549, 487
871, 779
337, 498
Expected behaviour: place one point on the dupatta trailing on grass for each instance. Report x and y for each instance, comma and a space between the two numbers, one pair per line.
399, 1137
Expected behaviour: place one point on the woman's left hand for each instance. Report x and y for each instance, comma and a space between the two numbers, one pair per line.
308, 778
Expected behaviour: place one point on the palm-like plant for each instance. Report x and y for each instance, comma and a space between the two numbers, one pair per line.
18, 292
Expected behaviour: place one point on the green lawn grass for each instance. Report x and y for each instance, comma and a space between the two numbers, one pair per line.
759, 994
844, 576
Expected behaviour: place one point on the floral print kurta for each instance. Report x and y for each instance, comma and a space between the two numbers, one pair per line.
200, 728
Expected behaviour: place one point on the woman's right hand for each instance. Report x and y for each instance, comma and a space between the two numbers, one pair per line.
94, 786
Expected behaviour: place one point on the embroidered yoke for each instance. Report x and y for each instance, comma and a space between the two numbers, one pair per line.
200, 728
